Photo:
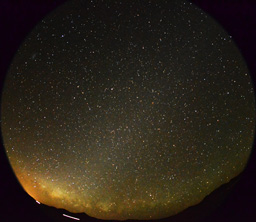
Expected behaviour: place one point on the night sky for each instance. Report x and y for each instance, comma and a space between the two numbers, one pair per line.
127, 109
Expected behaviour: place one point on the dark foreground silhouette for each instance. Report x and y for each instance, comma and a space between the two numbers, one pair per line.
220, 205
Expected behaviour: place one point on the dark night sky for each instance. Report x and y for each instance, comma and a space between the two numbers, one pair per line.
236, 18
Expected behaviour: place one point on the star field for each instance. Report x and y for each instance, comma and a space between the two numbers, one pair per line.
127, 109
